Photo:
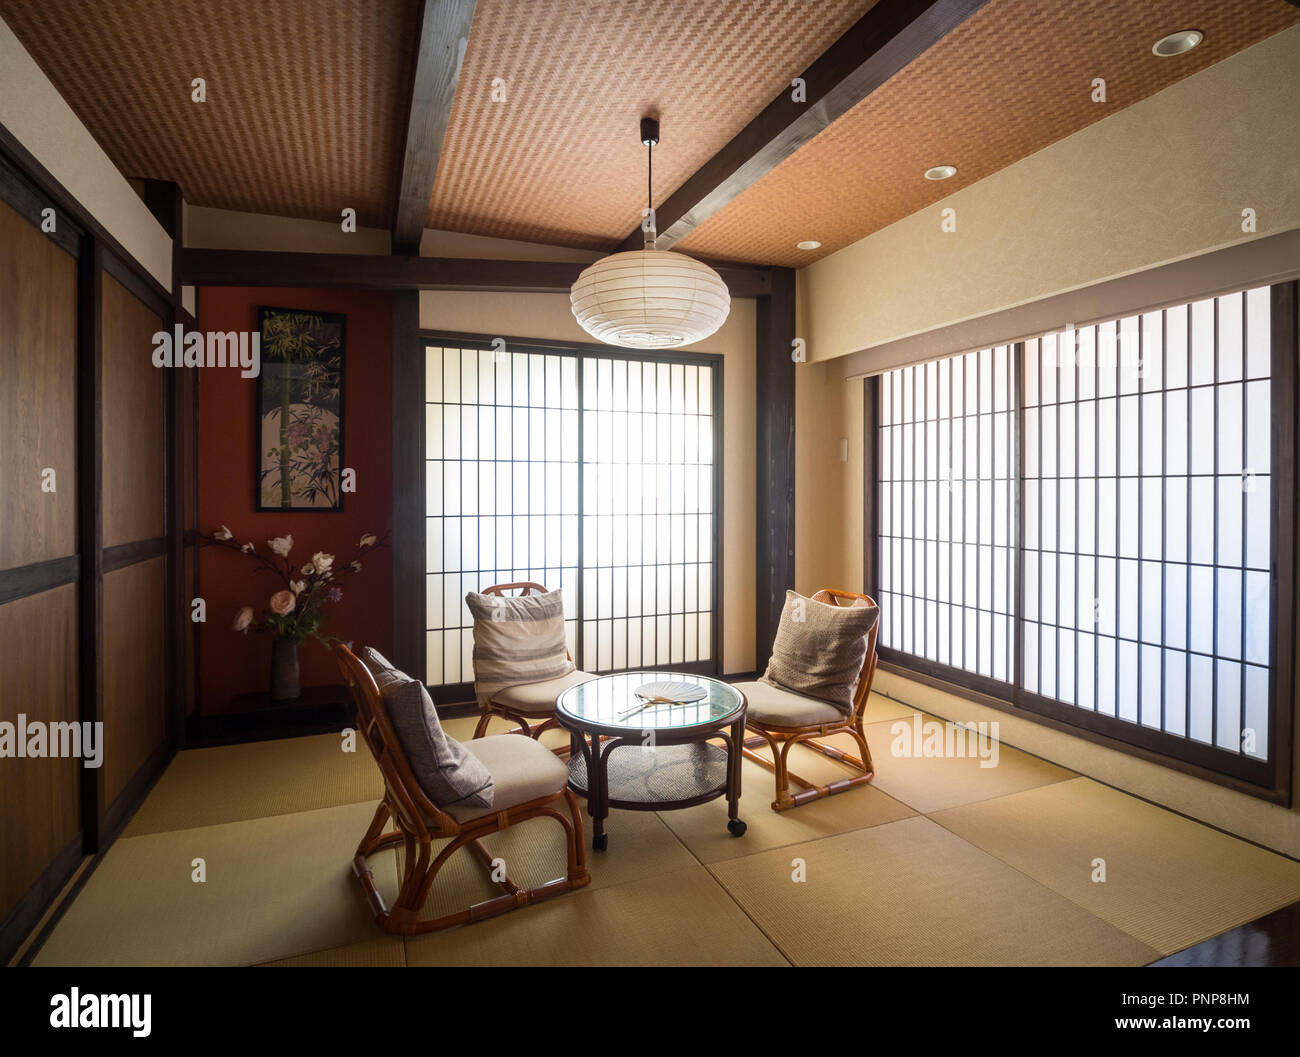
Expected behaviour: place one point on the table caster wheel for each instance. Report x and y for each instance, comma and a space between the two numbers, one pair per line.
736, 828
600, 841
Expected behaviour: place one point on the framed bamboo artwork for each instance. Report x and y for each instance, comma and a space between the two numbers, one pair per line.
298, 443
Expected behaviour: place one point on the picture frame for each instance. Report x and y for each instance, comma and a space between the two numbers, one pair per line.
298, 411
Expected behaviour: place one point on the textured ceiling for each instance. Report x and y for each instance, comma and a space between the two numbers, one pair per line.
306, 99
560, 160
1012, 79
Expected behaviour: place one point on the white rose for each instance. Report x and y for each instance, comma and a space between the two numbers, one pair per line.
281, 545
243, 618
321, 561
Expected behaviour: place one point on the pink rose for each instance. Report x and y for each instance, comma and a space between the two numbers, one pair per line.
282, 603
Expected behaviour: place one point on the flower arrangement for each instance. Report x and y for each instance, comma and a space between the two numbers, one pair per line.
297, 610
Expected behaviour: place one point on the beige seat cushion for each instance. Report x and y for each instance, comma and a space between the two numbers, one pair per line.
540, 696
781, 708
522, 770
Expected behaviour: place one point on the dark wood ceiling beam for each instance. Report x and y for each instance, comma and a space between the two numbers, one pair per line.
877, 46
200, 267
444, 33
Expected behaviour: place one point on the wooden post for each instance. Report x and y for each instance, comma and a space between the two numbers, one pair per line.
774, 500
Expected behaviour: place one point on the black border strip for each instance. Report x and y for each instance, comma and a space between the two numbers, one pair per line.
26, 580
27, 201
123, 554
18, 157
33, 903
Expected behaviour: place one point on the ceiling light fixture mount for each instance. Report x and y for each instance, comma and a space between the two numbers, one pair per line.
940, 172
808, 244
649, 298
1177, 43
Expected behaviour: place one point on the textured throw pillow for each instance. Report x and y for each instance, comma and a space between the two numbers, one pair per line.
517, 640
449, 774
820, 649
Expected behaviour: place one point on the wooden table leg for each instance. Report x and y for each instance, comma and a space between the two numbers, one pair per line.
598, 794
734, 758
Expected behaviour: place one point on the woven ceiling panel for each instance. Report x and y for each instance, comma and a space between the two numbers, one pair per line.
559, 160
306, 99
1012, 79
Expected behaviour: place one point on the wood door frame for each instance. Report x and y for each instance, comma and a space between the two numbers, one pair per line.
28, 187
1271, 781
409, 600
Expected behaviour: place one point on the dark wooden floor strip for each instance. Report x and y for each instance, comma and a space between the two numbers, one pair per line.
1271, 940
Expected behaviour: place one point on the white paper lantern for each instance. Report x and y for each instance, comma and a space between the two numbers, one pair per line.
649, 299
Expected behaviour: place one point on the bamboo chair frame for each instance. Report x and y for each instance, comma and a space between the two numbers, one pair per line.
780, 740
520, 717
419, 822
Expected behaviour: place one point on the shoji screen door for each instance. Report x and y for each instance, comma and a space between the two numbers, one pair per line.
1096, 524
588, 471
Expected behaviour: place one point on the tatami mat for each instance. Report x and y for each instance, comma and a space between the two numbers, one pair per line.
640, 847
880, 708
205, 787
276, 887
384, 952
679, 918
910, 893
703, 829
1169, 881
1001, 874
933, 783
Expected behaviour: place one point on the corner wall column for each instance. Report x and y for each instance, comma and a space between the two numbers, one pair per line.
409, 640
774, 418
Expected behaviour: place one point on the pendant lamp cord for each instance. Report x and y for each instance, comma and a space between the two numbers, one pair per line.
651, 233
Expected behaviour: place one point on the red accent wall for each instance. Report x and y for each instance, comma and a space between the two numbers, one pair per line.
231, 663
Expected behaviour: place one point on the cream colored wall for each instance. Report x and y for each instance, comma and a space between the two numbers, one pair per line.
42, 121
229, 229
548, 316
828, 492
1164, 179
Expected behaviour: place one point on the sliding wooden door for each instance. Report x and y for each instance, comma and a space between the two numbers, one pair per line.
93, 465
39, 795
134, 529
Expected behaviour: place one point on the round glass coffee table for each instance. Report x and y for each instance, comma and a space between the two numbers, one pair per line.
641, 755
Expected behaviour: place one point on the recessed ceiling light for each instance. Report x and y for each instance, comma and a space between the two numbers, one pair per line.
1177, 43
941, 172
808, 244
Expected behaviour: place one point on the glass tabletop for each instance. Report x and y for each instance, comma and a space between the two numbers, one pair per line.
611, 701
